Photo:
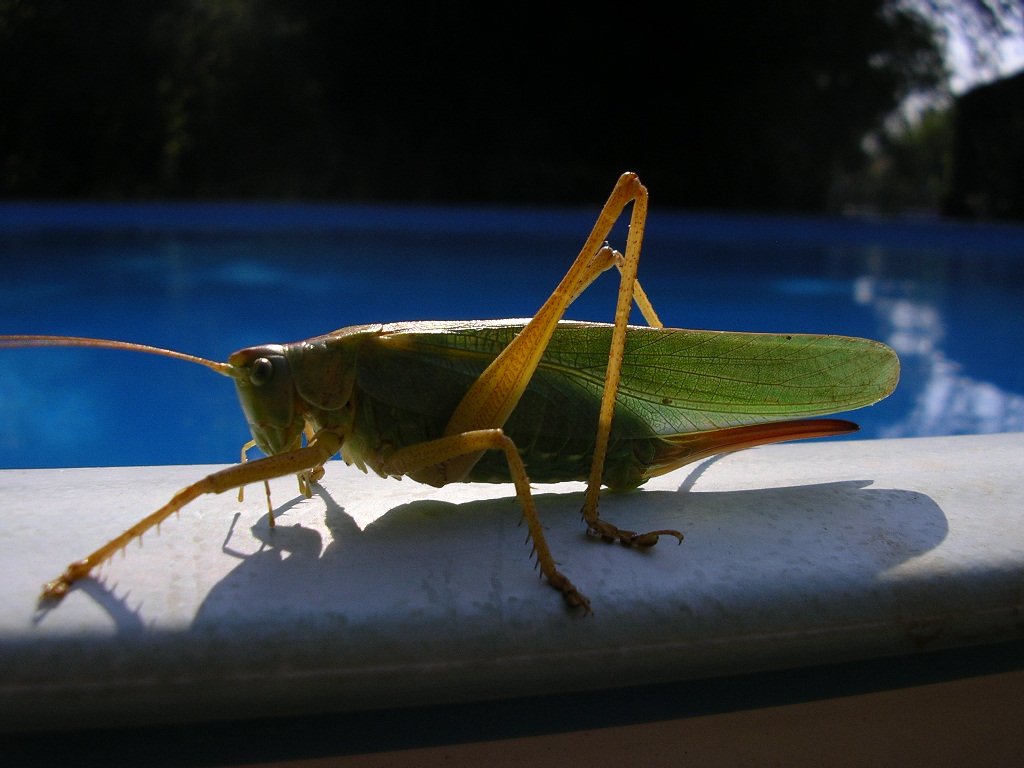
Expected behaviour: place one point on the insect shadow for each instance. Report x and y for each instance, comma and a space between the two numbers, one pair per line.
428, 556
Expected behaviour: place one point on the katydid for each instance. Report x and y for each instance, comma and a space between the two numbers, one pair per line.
541, 400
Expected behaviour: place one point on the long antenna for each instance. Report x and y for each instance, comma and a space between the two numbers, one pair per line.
7, 342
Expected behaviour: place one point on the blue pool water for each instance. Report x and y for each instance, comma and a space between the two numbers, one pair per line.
209, 279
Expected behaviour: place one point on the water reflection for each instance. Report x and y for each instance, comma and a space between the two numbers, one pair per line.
948, 298
946, 401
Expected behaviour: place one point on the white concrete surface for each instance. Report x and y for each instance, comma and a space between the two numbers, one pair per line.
376, 593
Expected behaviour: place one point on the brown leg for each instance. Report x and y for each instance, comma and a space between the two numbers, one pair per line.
290, 463
406, 461
496, 392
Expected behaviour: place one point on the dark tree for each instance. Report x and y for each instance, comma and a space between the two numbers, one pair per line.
726, 105
988, 152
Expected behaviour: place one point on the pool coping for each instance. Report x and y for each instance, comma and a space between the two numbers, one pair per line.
377, 594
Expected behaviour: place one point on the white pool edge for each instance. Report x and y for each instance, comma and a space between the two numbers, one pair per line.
795, 555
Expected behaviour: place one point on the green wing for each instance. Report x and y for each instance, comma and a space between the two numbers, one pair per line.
684, 395
673, 381
682, 381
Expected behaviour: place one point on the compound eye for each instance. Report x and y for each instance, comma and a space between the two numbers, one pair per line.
262, 371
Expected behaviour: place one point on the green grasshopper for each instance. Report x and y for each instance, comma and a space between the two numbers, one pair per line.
542, 400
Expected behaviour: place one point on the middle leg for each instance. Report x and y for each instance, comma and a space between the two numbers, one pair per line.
406, 461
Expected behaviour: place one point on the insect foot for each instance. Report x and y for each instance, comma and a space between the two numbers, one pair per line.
572, 596
56, 589
610, 532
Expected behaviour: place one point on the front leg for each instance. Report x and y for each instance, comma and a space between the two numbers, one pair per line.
299, 461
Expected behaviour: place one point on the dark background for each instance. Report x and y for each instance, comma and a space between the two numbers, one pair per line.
738, 105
